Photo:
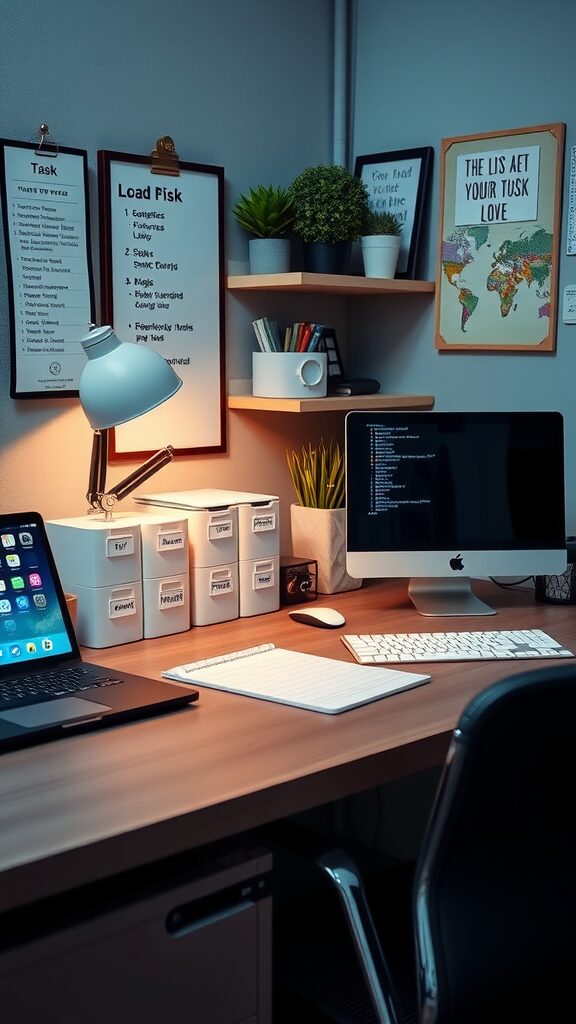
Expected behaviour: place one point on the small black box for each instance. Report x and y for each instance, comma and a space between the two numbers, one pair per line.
559, 589
298, 579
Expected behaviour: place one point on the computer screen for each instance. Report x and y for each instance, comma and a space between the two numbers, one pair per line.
438, 497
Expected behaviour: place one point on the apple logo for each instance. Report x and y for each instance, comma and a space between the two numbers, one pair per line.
457, 563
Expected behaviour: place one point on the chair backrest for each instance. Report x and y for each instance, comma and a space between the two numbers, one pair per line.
495, 892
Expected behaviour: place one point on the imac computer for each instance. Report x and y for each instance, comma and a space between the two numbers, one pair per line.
438, 497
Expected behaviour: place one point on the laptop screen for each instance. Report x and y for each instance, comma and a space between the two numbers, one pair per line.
33, 624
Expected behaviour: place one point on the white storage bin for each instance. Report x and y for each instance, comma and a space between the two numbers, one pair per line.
212, 537
108, 615
258, 582
166, 605
214, 594
258, 530
164, 546
213, 498
93, 552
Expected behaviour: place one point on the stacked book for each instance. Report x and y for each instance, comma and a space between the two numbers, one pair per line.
300, 336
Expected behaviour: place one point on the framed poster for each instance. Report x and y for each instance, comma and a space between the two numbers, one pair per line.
398, 183
497, 275
162, 274
44, 190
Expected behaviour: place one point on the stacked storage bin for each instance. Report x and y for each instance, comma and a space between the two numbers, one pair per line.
258, 556
165, 575
213, 541
234, 551
101, 562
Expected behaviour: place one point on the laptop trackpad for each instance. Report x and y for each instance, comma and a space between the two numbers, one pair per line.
54, 711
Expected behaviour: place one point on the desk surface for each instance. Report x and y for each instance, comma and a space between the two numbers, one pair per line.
86, 807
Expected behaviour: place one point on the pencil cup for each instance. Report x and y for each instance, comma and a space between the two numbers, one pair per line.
289, 374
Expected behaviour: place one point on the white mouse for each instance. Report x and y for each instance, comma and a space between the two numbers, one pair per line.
326, 618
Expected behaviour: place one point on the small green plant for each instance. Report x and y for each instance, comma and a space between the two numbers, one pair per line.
266, 212
381, 222
318, 475
330, 204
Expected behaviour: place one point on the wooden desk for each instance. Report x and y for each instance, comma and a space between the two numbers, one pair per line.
87, 807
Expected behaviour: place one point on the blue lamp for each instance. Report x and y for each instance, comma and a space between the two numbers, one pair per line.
120, 382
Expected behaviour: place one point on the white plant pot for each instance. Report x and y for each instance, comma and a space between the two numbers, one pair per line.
269, 255
380, 255
320, 533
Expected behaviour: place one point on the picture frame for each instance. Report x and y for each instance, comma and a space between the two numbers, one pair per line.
334, 364
162, 285
499, 234
398, 182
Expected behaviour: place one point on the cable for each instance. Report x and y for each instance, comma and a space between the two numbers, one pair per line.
516, 583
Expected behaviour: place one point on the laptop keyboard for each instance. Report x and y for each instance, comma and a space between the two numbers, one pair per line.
32, 688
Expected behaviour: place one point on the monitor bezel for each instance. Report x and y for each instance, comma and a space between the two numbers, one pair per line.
455, 562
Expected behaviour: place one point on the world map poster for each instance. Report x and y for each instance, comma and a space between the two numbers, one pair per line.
497, 278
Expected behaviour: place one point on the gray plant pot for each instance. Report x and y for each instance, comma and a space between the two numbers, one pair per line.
327, 257
269, 255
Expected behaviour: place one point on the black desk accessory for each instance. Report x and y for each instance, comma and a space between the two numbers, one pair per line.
354, 386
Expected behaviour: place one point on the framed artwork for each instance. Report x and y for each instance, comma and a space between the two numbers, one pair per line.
497, 275
398, 183
44, 192
162, 279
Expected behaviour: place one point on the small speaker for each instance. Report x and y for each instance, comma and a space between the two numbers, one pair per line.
559, 589
298, 580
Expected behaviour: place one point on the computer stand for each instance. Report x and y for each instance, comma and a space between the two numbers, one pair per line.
446, 596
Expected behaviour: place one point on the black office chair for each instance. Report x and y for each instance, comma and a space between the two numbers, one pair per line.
494, 890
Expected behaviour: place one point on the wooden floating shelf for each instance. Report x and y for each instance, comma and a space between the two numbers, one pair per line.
332, 403
341, 284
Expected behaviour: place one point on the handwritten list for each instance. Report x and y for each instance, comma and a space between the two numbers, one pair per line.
165, 285
46, 224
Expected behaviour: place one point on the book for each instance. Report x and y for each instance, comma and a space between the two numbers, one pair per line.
305, 681
305, 337
267, 334
261, 336
315, 337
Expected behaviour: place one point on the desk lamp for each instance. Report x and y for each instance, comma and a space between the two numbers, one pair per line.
120, 382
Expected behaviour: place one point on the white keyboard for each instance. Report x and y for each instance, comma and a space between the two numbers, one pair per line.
494, 645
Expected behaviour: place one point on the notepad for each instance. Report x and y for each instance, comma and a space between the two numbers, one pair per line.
302, 680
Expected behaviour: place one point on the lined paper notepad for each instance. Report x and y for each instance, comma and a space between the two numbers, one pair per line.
302, 680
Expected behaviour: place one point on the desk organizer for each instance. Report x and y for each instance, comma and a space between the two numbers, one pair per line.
101, 562
258, 557
234, 551
130, 575
165, 575
289, 374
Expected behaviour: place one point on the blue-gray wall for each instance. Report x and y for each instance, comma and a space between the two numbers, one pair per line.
428, 71
247, 84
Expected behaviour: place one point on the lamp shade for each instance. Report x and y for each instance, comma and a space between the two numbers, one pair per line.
122, 380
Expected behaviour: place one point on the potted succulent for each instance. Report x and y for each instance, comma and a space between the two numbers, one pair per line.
318, 519
330, 207
380, 243
266, 213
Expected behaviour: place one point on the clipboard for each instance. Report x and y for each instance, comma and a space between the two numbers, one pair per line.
45, 209
162, 282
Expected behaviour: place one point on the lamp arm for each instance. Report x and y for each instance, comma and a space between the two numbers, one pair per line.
144, 472
98, 462
105, 501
